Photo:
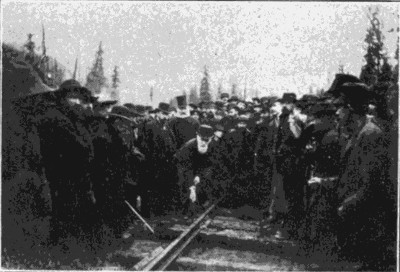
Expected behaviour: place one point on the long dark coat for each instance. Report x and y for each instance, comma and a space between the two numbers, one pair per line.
67, 154
155, 140
183, 129
363, 193
191, 163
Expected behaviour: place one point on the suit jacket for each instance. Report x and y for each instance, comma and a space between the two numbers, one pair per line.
156, 143
191, 163
183, 129
362, 184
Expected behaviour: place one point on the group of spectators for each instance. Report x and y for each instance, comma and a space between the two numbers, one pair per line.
322, 169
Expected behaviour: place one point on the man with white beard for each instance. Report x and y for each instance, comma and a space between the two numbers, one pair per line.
195, 168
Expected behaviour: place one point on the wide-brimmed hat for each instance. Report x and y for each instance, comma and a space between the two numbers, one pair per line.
338, 82
355, 94
73, 88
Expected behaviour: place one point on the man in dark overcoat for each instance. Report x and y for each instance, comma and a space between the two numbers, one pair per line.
157, 144
364, 201
183, 126
67, 153
195, 165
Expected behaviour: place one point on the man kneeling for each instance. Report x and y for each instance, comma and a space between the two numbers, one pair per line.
195, 169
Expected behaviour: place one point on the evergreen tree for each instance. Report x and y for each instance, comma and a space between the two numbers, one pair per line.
376, 68
115, 78
30, 48
115, 84
341, 69
58, 73
234, 89
219, 91
193, 95
395, 72
44, 61
151, 94
75, 69
96, 80
205, 95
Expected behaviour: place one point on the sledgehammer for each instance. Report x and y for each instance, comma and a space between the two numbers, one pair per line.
140, 217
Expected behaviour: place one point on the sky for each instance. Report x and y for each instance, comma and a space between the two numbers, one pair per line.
266, 47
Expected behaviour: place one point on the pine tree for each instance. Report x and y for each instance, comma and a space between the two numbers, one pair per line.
376, 68
205, 95
115, 83
30, 55
58, 74
234, 89
30, 46
151, 94
395, 72
193, 95
75, 69
115, 78
96, 80
219, 91
341, 69
44, 61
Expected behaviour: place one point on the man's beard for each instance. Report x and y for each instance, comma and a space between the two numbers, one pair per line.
201, 147
80, 112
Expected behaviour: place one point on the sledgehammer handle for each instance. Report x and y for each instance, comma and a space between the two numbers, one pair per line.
138, 215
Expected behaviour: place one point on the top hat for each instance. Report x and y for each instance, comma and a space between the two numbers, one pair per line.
181, 101
288, 98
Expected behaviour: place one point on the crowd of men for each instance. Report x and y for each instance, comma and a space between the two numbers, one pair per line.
323, 169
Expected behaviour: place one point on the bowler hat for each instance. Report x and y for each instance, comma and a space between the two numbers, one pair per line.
205, 131
233, 98
193, 106
124, 111
140, 109
224, 95
70, 83
163, 107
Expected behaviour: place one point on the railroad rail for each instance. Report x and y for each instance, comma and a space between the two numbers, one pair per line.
161, 258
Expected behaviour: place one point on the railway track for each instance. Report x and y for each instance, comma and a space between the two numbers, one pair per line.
218, 240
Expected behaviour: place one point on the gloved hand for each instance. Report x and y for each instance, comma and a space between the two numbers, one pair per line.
91, 197
138, 155
314, 180
192, 195
196, 180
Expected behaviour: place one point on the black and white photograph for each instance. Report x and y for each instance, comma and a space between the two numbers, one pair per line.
199, 135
